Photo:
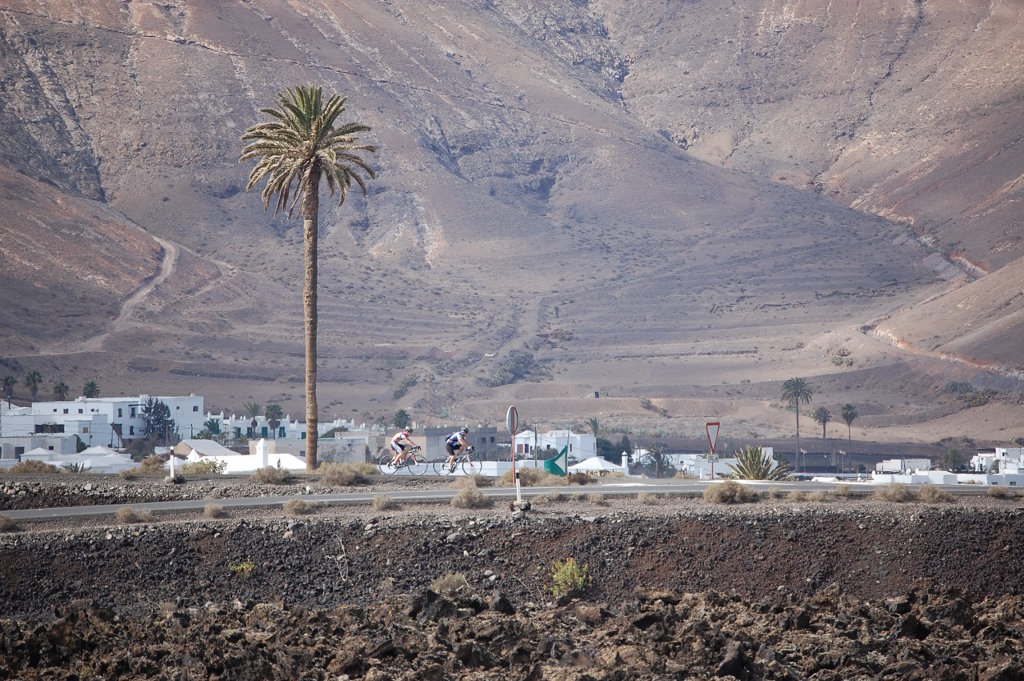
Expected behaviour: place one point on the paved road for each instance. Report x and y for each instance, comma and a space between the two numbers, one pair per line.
616, 486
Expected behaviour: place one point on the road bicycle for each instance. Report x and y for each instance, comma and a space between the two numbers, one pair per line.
413, 460
465, 461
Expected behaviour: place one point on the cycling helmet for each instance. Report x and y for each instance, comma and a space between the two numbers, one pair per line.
465, 430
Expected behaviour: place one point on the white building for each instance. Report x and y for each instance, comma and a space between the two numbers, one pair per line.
107, 421
903, 465
348, 442
529, 444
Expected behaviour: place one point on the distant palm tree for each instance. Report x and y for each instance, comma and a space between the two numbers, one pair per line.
253, 409
294, 152
794, 391
823, 417
32, 381
60, 390
9, 383
849, 414
91, 389
274, 413
595, 427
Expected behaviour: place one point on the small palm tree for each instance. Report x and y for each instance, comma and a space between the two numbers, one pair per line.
32, 381
253, 409
60, 390
91, 389
794, 391
303, 145
822, 416
753, 463
595, 427
9, 382
274, 413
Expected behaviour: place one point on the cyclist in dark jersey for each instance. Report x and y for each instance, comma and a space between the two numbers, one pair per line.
456, 442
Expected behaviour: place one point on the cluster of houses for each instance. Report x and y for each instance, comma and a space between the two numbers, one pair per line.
91, 434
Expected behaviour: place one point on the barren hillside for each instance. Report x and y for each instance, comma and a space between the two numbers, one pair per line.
689, 202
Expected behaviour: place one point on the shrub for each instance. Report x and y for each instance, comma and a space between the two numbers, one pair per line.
648, 498
729, 492
343, 474
7, 524
530, 477
214, 511
754, 463
207, 467
930, 494
895, 492
153, 465
451, 583
843, 491
997, 492
796, 496
128, 516
74, 468
271, 476
244, 568
383, 502
128, 473
596, 498
298, 507
549, 498
569, 578
471, 497
32, 467
579, 479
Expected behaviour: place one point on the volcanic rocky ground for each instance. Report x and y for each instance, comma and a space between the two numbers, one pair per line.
844, 586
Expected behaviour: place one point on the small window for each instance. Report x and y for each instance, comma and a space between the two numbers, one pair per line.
80, 411
65, 411
18, 451
131, 430
195, 407
120, 412
85, 430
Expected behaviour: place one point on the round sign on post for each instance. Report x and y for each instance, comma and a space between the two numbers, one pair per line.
512, 420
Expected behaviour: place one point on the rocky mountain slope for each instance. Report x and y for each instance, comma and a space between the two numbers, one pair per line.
689, 202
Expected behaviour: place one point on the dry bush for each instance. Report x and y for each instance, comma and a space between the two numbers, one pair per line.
648, 498
451, 583
895, 492
299, 507
214, 511
471, 497
207, 467
531, 477
343, 474
597, 499
997, 492
930, 494
819, 496
729, 492
271, 476
472, 481
778, 493
685, 475
7, 524
843, 491
579, 479
383, 502
32, 467
128, 516
128, 473
796, 496
153, 465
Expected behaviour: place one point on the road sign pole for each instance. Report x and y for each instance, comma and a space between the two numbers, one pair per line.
512, 423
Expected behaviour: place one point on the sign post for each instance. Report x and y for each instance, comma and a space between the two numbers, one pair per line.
512, 423
712, 430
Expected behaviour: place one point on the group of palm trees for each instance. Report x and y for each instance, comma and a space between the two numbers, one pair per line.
34, 380
795, 392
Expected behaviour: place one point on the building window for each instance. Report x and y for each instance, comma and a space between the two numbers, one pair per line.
79, 411
65, 411
195, 407
133, 412
85, 430
18, 451
131, 430
120, 412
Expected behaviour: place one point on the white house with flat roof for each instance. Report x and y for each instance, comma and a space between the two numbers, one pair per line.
109, 421
533, 445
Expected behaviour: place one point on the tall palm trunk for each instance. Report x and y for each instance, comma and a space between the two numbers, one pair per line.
798, 467
310, 218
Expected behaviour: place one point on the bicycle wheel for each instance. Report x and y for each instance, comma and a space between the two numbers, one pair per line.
418, 464
470, 466
384, 464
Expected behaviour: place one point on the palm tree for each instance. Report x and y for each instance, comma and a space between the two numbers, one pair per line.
794, 391
91, 389
273, 412
9, 383
849, 414
595, 427
294, 151
32, 381
60, 390
823, 417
